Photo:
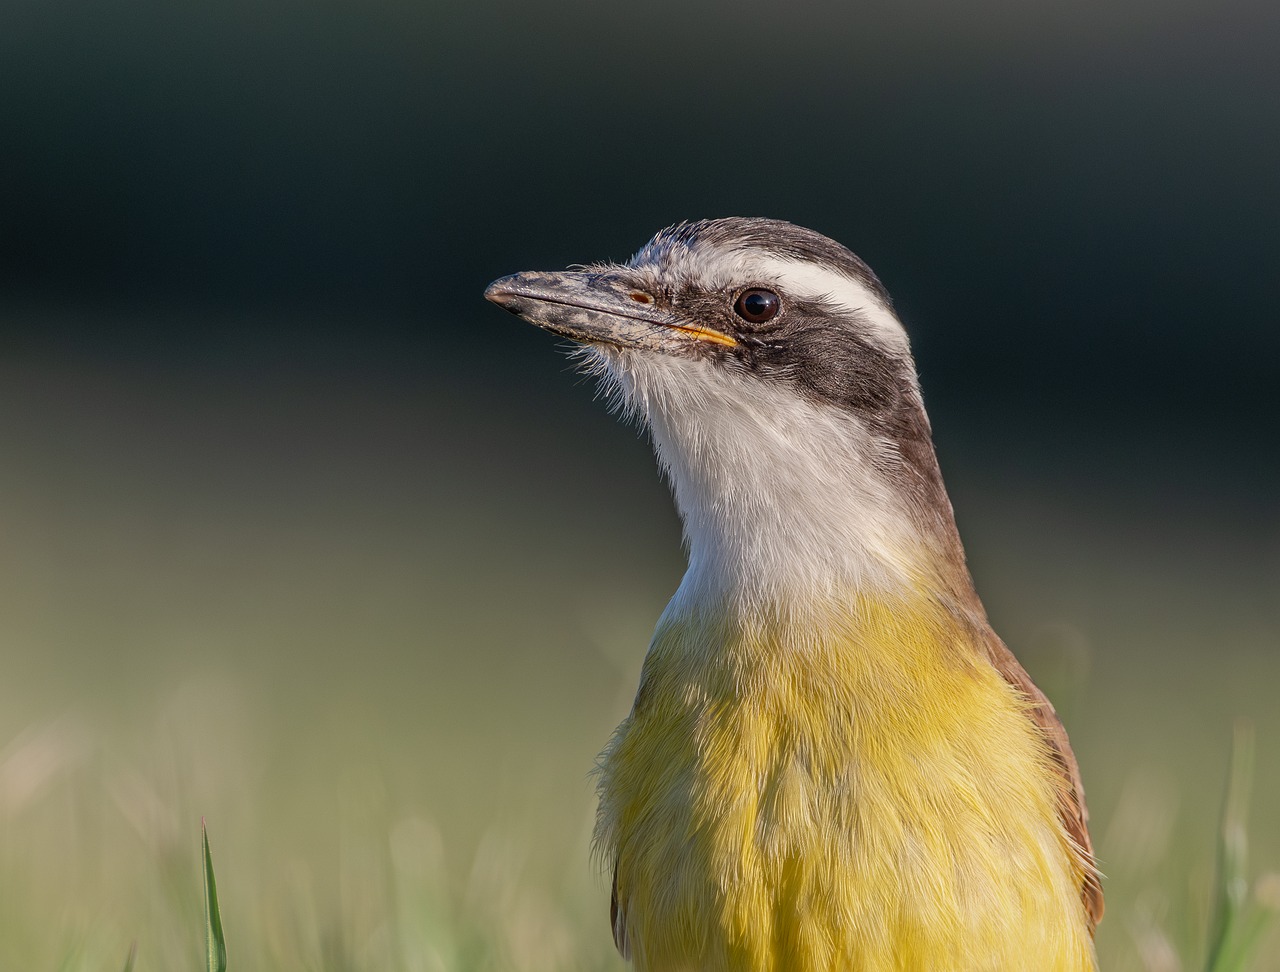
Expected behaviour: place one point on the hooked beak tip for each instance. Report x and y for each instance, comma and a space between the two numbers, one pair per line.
499, 292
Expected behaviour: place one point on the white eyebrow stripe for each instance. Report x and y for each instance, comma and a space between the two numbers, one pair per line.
810, 281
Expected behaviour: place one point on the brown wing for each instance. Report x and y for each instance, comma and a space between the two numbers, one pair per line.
617, 920
1075, 815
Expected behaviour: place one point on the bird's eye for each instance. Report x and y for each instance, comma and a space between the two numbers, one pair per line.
757, 306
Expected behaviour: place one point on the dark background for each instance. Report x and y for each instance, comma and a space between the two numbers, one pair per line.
259, 431
1075, 205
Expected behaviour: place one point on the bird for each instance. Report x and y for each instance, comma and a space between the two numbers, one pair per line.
832, 761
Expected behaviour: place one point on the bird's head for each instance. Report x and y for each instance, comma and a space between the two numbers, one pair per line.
757, 298
780, 391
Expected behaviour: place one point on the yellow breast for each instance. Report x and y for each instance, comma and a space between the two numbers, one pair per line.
857, 791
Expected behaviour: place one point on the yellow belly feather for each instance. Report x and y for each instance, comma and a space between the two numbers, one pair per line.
870, 797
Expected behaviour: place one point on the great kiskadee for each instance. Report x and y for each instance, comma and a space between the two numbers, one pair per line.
833, 764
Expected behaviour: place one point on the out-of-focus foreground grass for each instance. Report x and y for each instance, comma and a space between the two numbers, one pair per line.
376, 633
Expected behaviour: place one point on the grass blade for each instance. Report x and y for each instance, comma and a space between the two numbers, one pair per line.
215, 945
1239, 922
131, 957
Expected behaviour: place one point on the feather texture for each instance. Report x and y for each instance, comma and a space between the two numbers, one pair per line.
833, 764
864, 793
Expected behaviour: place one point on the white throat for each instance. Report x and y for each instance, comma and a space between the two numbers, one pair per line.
781, 498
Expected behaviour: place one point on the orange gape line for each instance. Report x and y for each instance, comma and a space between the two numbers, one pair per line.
707, 334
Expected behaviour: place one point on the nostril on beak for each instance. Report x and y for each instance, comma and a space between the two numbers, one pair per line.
640, 297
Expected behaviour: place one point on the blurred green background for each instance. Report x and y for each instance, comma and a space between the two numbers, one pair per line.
298, 534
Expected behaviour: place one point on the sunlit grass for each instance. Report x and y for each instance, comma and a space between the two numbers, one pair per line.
401, 899
215, 945
1242, 910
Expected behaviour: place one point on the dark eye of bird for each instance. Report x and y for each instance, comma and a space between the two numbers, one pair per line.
757, 306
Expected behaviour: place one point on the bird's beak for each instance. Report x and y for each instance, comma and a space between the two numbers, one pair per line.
599, 307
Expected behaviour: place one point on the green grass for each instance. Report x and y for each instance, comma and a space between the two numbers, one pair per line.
1240, 920
350, 847
1241, 914
215, 945
397, 902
